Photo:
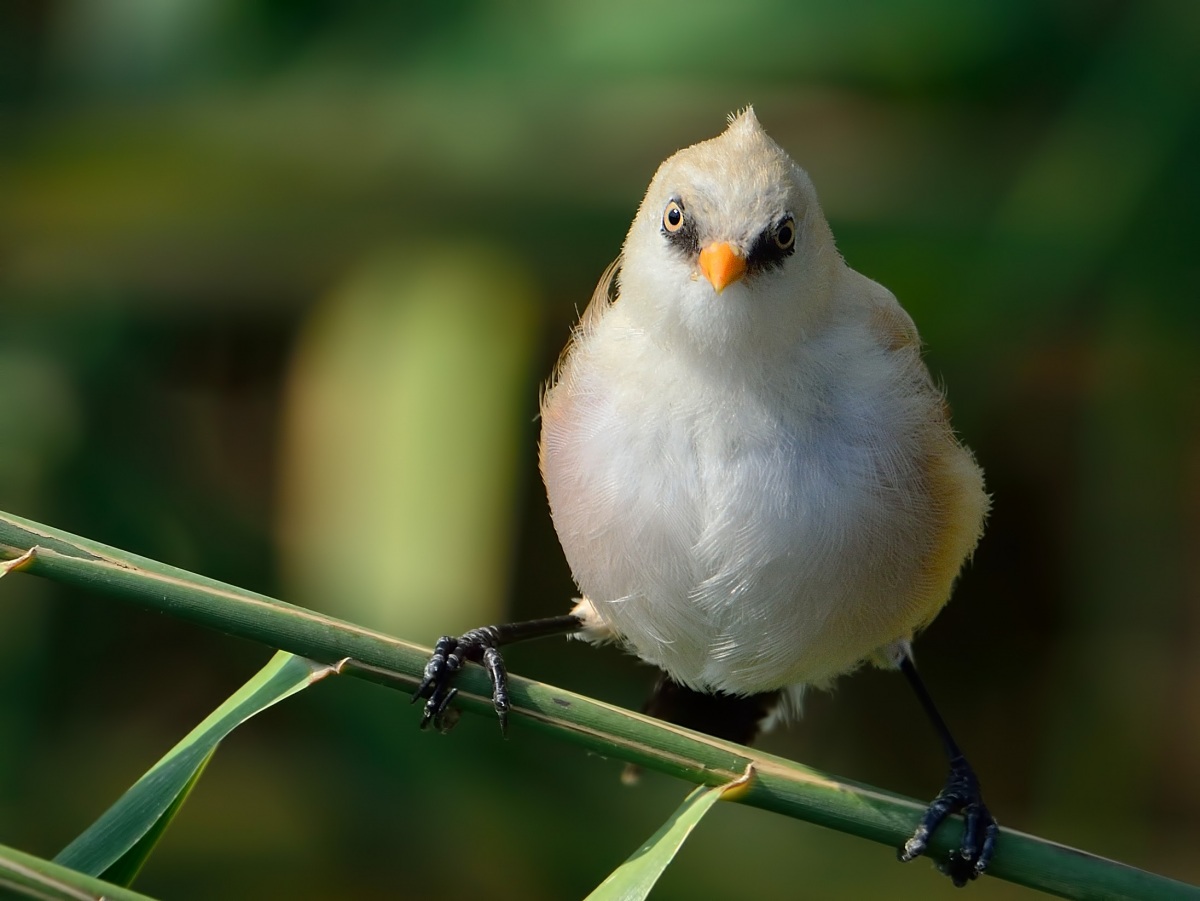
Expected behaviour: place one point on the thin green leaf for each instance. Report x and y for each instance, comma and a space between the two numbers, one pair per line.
633, 880
125, 869
25, 876
118, 843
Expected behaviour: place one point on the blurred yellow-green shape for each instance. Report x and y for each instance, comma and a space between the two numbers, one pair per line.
409, 400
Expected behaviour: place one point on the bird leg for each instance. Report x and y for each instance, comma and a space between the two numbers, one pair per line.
480, 646
961, 794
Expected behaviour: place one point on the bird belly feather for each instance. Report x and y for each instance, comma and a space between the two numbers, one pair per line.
745, 545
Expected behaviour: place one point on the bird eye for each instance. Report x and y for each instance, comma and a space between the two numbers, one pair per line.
673, 217
785, 234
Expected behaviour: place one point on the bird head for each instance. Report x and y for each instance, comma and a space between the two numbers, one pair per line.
729, 250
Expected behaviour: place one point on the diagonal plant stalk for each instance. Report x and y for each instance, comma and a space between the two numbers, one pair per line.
25, 876
779, 785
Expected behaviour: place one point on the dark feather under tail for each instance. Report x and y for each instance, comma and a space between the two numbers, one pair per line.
731, 717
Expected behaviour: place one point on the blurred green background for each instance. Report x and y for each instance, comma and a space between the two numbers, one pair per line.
279, 282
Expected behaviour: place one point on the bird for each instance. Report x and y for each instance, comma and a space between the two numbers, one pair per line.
750, 469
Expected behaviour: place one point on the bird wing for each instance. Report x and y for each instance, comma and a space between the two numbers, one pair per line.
603, 297
891, 326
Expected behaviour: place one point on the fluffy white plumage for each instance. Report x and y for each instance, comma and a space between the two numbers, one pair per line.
756, 488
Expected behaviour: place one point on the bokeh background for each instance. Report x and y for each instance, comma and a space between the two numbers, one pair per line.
279, 282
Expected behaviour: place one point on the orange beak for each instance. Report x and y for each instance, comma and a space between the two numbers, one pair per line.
721, 265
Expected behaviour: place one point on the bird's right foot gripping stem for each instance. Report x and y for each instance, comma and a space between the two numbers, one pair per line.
449, 655
482, 646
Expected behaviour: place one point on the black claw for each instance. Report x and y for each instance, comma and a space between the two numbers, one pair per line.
498, 674
449, 656
961, 794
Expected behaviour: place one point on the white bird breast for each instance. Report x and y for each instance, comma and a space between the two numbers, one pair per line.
742, 538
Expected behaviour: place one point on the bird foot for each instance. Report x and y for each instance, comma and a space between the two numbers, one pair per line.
449, 656
961, 794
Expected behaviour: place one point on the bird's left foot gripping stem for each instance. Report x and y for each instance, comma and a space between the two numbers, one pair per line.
482, 646
961, 794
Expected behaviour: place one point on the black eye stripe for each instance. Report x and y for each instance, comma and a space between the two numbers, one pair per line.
773, 245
